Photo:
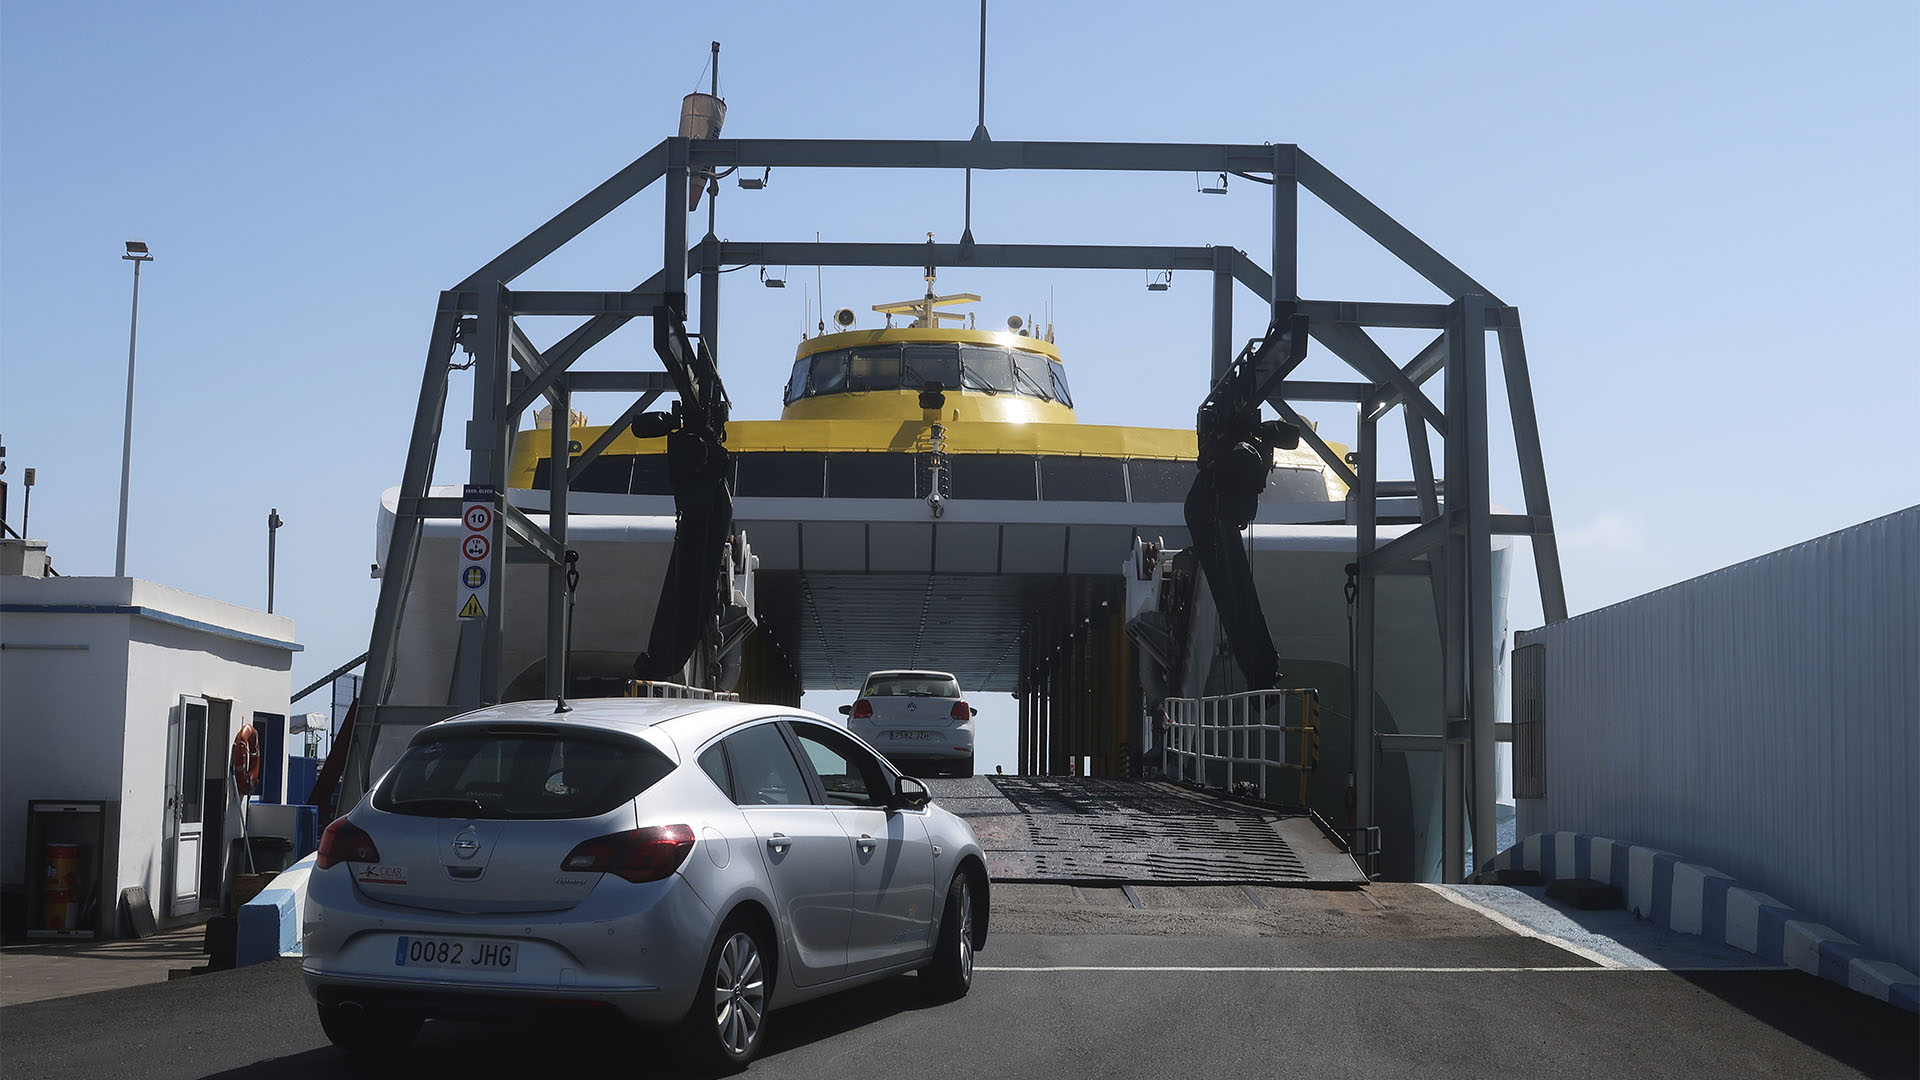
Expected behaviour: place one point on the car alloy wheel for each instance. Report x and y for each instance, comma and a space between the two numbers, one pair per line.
739, 994
949, 974
966, 931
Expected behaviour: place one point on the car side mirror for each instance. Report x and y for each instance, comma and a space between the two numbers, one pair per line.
910, 794
973, 711
846, 710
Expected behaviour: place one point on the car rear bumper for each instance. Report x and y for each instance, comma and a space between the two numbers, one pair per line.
635, 949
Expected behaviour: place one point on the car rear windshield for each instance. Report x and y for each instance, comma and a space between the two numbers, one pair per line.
518, 775
911, 686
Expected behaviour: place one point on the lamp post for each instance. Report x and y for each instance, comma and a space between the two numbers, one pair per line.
273, 528
136, 254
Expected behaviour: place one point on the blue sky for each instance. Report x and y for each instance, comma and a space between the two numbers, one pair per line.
1708, 214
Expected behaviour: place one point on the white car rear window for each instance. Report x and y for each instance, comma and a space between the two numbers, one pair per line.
911, 686
518, 775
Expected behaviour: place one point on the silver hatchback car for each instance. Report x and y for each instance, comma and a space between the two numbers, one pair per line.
675, 862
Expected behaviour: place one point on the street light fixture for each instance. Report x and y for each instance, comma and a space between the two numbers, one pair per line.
274, 522
136, 254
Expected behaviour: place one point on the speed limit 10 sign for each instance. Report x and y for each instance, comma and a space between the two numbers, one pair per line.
474, 594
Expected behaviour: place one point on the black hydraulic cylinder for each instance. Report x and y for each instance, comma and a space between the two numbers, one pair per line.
1236, 454
697, 462
690, 595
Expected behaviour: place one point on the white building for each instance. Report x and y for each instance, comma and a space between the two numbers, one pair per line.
129, 694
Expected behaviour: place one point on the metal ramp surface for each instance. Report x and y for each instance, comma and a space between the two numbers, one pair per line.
1117, 832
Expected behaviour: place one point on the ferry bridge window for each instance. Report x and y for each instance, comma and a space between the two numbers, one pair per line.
986, 369
829, 373
1160, 481
874, 369
1082, 479
992, 476
870, 476
1059, 380
1289, 484
606, 473
1031, 377
781, 474
797, 382
927, 364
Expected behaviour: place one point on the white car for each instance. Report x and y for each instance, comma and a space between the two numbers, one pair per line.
918, 719
685, 864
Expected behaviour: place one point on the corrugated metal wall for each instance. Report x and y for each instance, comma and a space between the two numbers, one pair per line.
1763, 719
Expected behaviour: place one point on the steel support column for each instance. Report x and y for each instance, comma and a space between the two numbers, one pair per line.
675, 245
1222, 310
560, 483
1479, 539
1533, 469
489, 434
403, 546
1365, 753
1286, 228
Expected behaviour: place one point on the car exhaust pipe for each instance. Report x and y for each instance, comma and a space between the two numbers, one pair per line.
352, 1008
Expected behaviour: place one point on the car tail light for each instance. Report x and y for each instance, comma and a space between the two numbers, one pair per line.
344, 842
960, 712
862, 709
639, 855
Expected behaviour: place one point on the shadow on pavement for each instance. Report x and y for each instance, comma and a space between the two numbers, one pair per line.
1871, 1036
484, 1051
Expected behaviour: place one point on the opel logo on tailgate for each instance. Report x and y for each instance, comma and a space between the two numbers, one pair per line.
466, 843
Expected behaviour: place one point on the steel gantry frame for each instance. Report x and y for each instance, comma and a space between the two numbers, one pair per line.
1453, 544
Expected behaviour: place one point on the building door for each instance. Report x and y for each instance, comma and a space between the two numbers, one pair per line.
186, 804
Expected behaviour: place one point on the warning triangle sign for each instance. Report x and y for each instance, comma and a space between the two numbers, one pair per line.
471, 609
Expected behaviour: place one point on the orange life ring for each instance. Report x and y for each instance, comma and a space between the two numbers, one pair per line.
246, 759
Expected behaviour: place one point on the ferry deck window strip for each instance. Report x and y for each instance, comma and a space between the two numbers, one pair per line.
884, 475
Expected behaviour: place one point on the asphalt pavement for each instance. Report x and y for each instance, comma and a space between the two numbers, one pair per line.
1386, 982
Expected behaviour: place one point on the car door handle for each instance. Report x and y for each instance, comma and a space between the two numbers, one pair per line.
866, 842
778, 843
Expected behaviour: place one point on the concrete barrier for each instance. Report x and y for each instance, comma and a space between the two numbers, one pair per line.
270, 922
1694, 899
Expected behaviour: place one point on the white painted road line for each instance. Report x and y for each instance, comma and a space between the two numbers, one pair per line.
1308, 969
1523, 930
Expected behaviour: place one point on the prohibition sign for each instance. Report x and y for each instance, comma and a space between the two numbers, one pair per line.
476, 547
479, 517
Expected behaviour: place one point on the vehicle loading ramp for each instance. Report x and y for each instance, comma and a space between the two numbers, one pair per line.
1081, 831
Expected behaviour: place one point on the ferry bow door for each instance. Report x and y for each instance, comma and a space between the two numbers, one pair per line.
185, 825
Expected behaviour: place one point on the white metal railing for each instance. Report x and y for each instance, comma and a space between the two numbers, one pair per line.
1244, 736
651, 689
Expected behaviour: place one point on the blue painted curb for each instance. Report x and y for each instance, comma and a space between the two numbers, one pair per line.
269, 924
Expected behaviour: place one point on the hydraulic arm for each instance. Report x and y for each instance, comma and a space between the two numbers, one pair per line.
1236, 454
696, 433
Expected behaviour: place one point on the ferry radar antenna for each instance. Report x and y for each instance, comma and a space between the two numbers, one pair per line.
925, 311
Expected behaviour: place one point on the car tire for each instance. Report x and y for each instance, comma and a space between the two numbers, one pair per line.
367, 1036
950, 975
966, 768
726, 1024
